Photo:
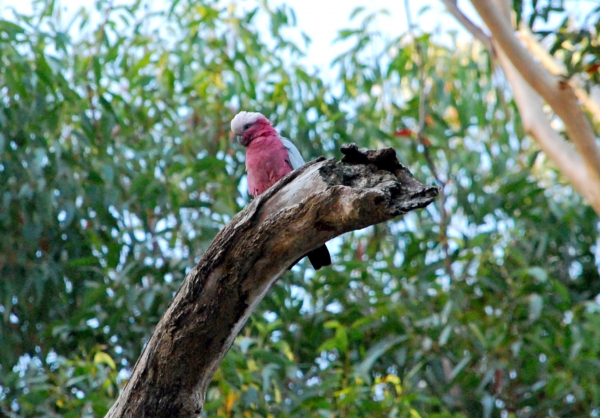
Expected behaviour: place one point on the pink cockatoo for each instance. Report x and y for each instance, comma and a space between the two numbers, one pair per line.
269, 157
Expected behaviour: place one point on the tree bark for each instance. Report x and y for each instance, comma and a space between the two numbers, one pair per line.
556, 91
557, 68
530, 84
319, 201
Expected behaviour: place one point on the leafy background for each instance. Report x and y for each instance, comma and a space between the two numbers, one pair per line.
117, 169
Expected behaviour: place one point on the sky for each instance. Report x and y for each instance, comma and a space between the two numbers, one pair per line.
331, 16
322, 19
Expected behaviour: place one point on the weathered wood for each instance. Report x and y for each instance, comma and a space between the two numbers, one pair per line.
309, 206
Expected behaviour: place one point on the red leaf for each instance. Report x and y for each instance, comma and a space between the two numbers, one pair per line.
426, 142
497, 381
360, 251
593, 68
404, 132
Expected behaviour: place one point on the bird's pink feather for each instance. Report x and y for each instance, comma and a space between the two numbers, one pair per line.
267, 160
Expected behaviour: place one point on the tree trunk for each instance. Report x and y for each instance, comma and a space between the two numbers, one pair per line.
313, 204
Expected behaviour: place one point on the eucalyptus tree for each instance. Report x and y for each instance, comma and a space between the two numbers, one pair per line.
117, 171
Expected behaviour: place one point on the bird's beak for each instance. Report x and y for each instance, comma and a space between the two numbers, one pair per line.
242, 141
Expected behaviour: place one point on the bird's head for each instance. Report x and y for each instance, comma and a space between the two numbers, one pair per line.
248, 125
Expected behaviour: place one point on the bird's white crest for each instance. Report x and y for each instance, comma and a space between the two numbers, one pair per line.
241, 119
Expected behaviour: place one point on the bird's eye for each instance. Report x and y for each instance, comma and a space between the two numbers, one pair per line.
247, 126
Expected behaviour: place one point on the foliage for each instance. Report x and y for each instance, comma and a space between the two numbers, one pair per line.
117, 169
576, 46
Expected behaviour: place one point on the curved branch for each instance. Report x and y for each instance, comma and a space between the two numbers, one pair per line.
311, 205
536, 124
557, 68
469, 25
556, 91
535, 121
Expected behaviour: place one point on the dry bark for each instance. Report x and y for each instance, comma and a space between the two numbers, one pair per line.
311, 205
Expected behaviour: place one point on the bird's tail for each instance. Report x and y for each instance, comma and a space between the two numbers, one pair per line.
319, 257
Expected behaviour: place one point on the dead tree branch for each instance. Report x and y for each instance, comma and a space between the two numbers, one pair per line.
311, 205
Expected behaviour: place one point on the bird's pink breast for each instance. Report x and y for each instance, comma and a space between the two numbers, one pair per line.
266, 162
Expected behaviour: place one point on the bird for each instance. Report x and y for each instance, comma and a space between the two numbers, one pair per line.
269, 157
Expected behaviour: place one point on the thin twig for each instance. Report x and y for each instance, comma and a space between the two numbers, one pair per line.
88, 87
469, 25
420, 62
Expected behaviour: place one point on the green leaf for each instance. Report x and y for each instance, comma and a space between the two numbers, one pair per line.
538, 273
536, 304
363, 368
10, 28
103, 358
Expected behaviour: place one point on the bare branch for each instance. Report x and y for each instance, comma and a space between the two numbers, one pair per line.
475, 30
556, 91
557, 68
311, 205
535, 121
536, 124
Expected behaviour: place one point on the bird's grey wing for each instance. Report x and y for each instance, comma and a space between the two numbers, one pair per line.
296, 159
